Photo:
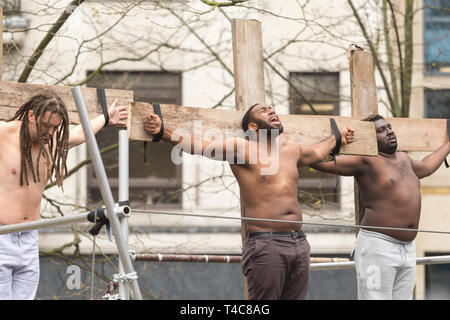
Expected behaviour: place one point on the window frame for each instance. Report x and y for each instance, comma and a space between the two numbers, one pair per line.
150, 182
322, 182
428, 72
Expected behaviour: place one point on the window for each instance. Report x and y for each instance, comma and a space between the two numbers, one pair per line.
437, 103
321, 91
437, 36
10, 7
157, 182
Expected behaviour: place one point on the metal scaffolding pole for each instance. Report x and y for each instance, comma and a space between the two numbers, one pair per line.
105, 190
25, 226
53, 222
124, 289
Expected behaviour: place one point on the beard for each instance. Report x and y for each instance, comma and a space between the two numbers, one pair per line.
272, 131
387, 148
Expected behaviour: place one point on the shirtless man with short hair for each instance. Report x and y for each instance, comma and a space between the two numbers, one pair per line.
34, 146
390, 189
275, 256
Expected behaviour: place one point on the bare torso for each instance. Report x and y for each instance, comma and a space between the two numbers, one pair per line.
271, 196
391, 195
19, 203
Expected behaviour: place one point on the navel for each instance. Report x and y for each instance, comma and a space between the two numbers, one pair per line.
392, 180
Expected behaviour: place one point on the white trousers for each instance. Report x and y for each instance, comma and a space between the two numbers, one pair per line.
385, 267
19, 265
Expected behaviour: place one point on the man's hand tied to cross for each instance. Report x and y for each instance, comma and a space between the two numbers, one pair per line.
275, 255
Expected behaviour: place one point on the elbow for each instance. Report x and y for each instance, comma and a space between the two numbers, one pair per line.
315, 159
320, 156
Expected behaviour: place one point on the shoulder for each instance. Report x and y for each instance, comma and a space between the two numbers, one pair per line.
292, 148
9, 127
291, 145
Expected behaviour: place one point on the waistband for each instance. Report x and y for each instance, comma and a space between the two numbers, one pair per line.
291, 234
383, 236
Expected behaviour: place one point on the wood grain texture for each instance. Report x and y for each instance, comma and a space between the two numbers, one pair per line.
363, 87
364, 103
305, 130
248, 63
249, 86
419, 134
13, 95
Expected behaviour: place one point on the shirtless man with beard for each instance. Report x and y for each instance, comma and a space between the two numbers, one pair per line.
275, 256
385, 260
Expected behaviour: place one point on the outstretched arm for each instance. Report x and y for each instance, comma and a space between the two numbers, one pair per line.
117, 116
430, 163
217, 149
319, 151
346, 165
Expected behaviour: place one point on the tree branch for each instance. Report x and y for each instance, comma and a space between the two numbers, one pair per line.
48, 37
372, 48
391, 67
223, 4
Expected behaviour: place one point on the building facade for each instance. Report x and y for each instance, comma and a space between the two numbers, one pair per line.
181, 53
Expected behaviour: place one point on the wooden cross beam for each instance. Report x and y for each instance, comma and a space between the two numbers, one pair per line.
13, 95
305, 130
249, 89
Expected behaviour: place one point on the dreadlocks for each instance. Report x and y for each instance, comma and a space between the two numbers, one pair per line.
55, 156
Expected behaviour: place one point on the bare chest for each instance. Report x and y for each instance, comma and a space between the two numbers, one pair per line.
278, 168
11, 165
395, 173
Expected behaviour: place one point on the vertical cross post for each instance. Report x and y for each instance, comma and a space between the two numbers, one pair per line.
248, 77
364, 103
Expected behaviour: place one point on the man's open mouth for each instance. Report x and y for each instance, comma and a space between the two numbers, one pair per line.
274, 120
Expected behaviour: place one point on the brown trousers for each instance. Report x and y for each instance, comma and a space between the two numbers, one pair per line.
277, 268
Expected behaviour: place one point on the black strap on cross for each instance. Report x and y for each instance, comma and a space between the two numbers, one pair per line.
448, 133
156, 137
102, 99
335, 151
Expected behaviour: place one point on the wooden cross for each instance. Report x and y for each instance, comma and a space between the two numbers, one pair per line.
412, 134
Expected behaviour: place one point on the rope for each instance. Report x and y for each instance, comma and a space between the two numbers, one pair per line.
290, 221
121, 277
110, 297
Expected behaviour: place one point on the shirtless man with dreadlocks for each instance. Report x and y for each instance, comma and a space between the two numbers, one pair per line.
34, 146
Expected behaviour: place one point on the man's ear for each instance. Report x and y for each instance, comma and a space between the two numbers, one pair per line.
252, 126
31, 117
